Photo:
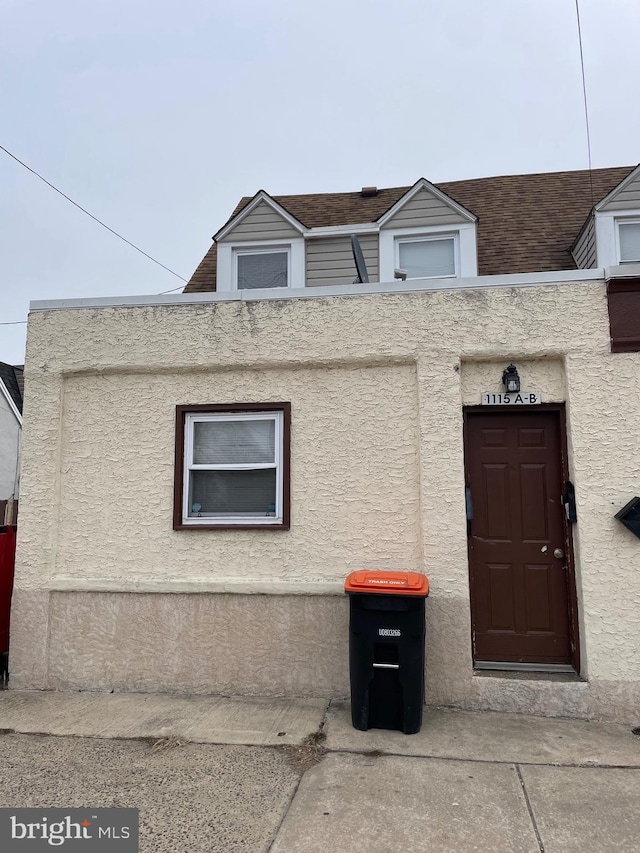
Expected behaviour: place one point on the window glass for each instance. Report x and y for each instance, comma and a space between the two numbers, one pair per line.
222, 493
427, 258
234, 442
262, 269
629, 241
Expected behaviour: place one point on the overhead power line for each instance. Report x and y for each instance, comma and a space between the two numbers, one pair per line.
584, 93
173, 290
95, 218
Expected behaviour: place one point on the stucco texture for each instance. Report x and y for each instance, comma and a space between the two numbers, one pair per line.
377, 384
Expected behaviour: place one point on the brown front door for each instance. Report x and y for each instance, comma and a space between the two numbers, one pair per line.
518, 540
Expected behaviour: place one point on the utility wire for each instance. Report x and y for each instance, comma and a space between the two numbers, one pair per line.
586, 111
95, 218
173, 290
21, 322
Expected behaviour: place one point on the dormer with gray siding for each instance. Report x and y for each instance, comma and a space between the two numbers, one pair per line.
263, 246
611, 234
428, 235
424, 233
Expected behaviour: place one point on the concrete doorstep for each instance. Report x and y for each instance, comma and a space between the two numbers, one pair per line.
466, 782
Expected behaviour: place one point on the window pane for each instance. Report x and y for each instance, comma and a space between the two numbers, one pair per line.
234, 442
221, 493
427, 258
262, 270
629, 241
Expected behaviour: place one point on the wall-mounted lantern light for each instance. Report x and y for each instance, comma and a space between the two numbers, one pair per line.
629, 515
511, 380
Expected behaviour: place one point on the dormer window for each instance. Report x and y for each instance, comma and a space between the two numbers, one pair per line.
629, 241
264, 265
260, 267
427, 256
429, 235
261, 248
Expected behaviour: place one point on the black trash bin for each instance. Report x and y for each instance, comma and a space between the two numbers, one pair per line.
386, 649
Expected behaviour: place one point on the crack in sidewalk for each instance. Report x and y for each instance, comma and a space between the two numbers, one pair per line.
530, 809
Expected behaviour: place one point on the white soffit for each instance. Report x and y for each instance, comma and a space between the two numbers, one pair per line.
424, 184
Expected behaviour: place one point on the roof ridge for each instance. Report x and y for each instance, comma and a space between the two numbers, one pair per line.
404, 188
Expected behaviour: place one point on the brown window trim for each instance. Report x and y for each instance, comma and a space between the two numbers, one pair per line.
181, 412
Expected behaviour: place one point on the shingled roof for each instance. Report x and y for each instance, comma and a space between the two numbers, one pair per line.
526, 223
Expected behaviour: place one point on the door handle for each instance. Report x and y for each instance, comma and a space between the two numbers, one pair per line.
569, 501
558, 553
468, 502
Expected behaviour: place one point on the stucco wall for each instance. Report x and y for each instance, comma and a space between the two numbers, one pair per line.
377, 384
354, 495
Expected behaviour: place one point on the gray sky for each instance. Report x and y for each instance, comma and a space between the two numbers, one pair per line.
158, 116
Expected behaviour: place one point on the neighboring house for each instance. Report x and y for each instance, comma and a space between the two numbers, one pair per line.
11, 390
203, 470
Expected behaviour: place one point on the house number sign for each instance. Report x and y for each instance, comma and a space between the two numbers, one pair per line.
531, 398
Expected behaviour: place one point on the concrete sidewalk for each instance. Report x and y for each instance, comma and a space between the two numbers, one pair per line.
466, 782
199, 719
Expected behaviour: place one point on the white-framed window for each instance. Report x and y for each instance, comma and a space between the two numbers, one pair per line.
232, 466
428, 256
617, 237
436, 251
628, 241
255, 268
265, 264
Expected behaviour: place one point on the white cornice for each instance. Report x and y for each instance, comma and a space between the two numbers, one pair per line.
343, 230
532, 279
622, 271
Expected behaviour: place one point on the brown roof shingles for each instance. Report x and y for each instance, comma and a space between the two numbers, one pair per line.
526, 223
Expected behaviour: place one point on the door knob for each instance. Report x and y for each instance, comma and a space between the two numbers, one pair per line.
558, 553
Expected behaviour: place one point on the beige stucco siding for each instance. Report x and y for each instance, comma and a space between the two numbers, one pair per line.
330, 260
608, 552
584, 253
117, 475
263, 223
424, 209
377, 385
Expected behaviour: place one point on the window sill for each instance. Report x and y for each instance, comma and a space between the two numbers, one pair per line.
522, 675
224, 526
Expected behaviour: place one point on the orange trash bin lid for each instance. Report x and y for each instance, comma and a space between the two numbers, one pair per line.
387, 583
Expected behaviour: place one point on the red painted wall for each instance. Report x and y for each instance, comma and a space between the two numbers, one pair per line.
7, 560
